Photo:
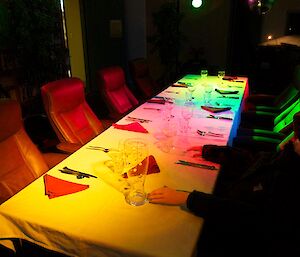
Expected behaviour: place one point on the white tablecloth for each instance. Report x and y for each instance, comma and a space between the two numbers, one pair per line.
98, 221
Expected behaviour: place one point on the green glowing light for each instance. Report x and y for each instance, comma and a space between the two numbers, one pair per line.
196, 3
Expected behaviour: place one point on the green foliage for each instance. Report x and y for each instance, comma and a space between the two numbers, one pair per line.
35, 36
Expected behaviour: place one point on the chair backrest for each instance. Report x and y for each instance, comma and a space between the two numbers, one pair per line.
291, 93
113, 88
286, 123
21, 162
69, 114
140, 74
287, 97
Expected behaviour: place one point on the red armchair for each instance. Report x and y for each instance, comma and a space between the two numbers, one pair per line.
71, 117
141, 77
21, 162
116, 94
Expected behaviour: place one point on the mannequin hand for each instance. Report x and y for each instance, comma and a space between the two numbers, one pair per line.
166, 195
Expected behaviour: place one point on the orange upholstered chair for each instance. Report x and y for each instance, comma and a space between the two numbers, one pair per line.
71, 117
116, 94
141, 77
21, 162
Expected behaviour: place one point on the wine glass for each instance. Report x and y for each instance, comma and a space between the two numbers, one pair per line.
204, 73
116, 164
207, 93
221, 74
169, 131
187, 113
136, 166
191, 87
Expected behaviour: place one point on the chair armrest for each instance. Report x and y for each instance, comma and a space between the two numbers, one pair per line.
260, 132
52, 159
258, 119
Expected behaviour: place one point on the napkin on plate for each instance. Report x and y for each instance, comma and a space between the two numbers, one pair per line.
224, 92
215, 109
152, 167
134, 126
55, 187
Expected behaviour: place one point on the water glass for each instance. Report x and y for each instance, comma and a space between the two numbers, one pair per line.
191, 87
221, 74
187, 113
136, 158
116, 162
204, 73
207, 93
169, 130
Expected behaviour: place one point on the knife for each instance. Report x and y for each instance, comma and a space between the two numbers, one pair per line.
79, 174
218, 117
196, 165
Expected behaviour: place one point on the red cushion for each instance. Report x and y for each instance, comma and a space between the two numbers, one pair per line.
69, 114
113, 86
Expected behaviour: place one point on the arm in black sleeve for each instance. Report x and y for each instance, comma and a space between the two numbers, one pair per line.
224, 154
204, 205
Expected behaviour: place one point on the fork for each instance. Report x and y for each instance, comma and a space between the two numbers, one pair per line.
93, 147
208, 133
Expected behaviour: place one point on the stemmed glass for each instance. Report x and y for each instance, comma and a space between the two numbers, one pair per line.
221, 75
187, 113
207, 93
169, 130
204, 73
136, 166
169, 104
116, 164
191, 87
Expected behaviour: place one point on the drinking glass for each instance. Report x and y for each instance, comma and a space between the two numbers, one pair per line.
207, 93
204, 73
136, 166
169, 105
221, 74
191, 87
187, 113
116, 165
169, 131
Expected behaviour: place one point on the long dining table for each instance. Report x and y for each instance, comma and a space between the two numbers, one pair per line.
98, 221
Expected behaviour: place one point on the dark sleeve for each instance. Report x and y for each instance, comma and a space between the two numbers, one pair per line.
204, 205
224, 154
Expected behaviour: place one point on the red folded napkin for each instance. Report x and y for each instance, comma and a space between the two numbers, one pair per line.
55, 187
152, 167
224, 92
179, 84
135, 126
156, 101
215, 109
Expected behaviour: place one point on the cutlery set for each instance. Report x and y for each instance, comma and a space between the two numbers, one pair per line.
138, 119
218, 117
208, 133
92, 147
76, 173
196, 165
